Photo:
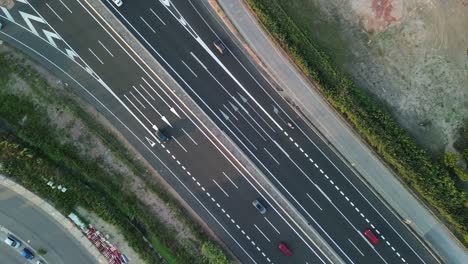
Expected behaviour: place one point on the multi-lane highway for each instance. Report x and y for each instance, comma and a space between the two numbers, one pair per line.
244, 104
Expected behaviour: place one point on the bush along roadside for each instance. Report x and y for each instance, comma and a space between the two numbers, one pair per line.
32, 155
428, 178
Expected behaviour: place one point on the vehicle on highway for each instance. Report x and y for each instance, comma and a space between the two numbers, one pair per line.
124, 258
284, 249
1, 25
219, 46
27, 253
162, 136
118, 3
12, 241
40, 262
260, 207
373, 239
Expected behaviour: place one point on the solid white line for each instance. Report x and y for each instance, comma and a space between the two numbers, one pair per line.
242, 134
66, 7
262, 233
138, 109
281, 148
194, 142
150, 104
137, 99
175, 139
157, 16
92, 52
277, 231
183, 62
261, 117
271, 156
229, 110
322, 192
310, 197
248, 122
144, 21
230, 180
53, 11
160, 97
220, 188
199, 61
147, 92
355, 247
112, 55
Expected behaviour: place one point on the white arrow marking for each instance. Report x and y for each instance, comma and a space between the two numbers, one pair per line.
242, 98
167, 121
175, 112
233, 106
155, 127
225, 116
51, 36
28, 17
152, 144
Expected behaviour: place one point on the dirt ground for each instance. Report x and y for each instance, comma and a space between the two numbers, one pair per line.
411, 54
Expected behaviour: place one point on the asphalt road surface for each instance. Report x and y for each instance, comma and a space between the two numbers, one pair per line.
246, 106
39, 230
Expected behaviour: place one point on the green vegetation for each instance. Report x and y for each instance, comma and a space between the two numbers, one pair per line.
31, 153
41, 252
431, 180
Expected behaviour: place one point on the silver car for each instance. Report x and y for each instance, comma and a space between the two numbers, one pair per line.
12, 241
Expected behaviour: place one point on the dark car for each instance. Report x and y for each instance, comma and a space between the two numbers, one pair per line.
27, 253
219, 45
163, 137
260, 207
284, 249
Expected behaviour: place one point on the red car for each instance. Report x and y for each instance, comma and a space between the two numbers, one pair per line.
284, 249
373, 239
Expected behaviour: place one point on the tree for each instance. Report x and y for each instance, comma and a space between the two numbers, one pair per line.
450, 160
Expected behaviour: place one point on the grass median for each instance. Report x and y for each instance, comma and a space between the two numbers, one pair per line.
430, 179
32, 154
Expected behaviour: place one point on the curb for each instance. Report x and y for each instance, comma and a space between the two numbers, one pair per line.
55, 214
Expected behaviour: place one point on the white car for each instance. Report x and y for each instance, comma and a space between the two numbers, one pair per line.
12, 241
118, 3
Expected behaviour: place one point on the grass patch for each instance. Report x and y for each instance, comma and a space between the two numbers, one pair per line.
31, 153
428, 178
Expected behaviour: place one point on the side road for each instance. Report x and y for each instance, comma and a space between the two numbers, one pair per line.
314, 108
88, 251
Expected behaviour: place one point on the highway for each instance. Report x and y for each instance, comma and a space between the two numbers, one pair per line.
247, 107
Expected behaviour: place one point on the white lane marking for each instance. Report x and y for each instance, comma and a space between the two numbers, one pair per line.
221, 152
310, 197
355, 247
194, 142
160, 97
144, 21
53, 11
271, 156
229, 110
190, 69
156, 15
281, 148
112, 55
66, 7
225, 175
322, 192
92, 52
240, 131
219, 186
137, 100
277, 231
152, 106
198, 60
138, 111
250, 124
178, 143
146, 91
261, 117
259, 230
